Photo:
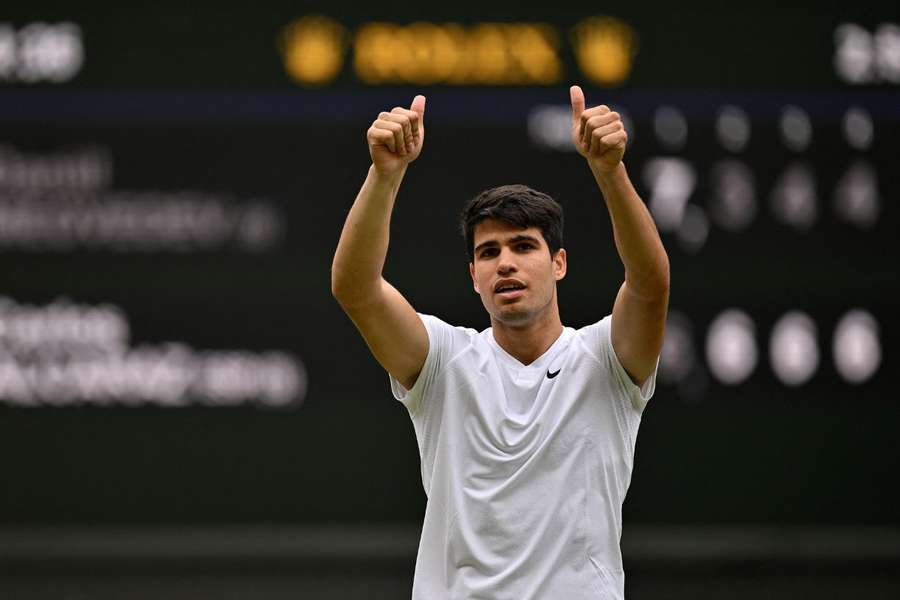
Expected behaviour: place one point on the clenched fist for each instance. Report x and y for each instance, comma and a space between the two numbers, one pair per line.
396, 137
598, 133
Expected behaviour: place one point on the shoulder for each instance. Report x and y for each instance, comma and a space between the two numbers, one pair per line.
446, 340
445, 343
597, 341
438, 326
595, 338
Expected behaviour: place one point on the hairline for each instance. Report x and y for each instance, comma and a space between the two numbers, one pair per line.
549, 223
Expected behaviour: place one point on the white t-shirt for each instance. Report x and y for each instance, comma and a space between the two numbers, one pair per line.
525, 466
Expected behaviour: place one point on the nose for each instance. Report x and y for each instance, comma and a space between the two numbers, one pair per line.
506, 264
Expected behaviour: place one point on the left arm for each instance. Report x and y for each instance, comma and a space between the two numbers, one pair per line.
639, 313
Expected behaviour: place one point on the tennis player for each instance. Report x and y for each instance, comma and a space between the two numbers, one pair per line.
526, 430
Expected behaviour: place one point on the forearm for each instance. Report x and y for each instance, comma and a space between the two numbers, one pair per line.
361, 251
636, 237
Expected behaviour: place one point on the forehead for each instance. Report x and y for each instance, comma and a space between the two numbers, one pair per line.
495, 230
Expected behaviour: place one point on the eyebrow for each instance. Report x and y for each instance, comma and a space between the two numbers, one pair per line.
513, 240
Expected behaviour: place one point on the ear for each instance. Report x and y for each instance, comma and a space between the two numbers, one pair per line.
474, 281
559, 264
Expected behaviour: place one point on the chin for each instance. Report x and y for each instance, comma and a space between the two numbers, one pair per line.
513, 315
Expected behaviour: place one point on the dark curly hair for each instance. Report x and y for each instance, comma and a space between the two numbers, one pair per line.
517, 205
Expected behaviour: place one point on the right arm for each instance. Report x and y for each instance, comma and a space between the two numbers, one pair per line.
390, 326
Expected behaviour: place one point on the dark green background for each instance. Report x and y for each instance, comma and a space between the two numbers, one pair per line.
694, 45
196, 98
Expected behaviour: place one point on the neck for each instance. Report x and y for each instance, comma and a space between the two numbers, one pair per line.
528, 341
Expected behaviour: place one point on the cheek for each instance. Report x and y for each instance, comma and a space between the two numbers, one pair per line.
482, 278
546, 277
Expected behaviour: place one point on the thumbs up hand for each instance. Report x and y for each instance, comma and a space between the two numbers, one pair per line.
598, 133
395, 138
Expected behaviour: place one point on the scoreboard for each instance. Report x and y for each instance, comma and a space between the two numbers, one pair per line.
172, 190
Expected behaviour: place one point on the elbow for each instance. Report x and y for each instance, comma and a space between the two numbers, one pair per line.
652, 284
663, 276
656, 287
340, 289
660, 274
349, 291
343, 296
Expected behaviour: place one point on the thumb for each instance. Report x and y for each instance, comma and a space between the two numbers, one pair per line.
418, 105
577, 97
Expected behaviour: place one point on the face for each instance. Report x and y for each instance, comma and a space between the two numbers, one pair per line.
513, 271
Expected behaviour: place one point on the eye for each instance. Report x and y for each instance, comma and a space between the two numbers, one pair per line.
524, 246
487, 252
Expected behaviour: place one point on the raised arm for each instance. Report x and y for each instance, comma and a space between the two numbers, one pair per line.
639, 313
393, 331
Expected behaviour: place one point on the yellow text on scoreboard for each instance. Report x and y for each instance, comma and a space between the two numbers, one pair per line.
314, 50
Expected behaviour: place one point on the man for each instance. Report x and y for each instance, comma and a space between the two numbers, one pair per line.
526, 430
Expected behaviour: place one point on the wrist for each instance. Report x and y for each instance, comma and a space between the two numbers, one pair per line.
605, 174
390, 179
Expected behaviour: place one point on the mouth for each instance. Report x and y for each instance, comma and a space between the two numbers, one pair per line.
509, 288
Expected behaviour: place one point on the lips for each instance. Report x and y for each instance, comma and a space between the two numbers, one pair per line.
508, 287
511, 294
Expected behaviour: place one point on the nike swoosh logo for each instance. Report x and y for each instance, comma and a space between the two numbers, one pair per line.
552, 375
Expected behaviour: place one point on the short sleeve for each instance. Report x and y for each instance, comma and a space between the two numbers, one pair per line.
599, 338
444, 341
